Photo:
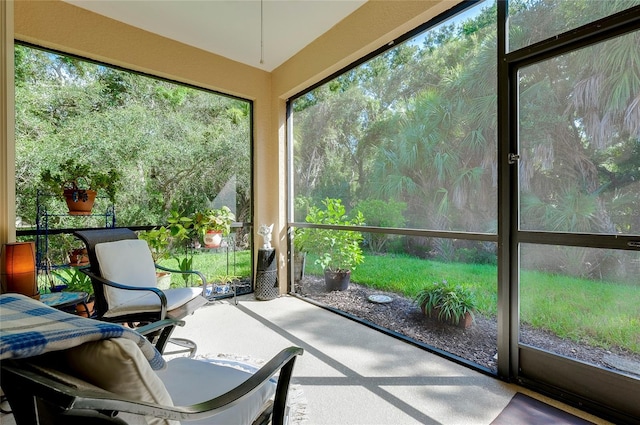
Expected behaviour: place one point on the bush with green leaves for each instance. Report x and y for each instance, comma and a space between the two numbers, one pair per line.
337, 250
80, 176
159, 241
381, 213
75, 280
448, 302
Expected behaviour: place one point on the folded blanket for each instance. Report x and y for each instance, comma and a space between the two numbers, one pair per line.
29, 328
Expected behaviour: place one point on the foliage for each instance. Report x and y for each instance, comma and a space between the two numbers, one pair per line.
339, 250
185, 230
450, 302
212, 264
381, 213
159, 241
213, 219
176, 147
183, 233
181, 227
76, 175
185, 264
225, 279
417, 124
600, 312
75, 280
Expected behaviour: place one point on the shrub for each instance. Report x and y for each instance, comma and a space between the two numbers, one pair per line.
449, 302
381, 213
338, 250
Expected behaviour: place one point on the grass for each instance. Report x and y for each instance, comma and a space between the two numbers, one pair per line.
213, 265
599, 313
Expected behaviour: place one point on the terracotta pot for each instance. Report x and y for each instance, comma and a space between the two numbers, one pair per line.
465, 322
82, 311
80, 202
79, 257
213, 239
163, 280
337, 281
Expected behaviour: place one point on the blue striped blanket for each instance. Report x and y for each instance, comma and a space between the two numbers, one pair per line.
29, 328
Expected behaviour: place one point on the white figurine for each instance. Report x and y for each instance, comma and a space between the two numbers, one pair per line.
265, 232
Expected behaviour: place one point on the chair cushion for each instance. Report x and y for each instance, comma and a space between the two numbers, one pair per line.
192, 381
127, 262
117, 365
137, 301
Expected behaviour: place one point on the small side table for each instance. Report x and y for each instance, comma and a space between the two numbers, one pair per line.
266, 275
63, 300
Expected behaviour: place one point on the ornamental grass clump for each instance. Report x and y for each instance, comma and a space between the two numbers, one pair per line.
446, 302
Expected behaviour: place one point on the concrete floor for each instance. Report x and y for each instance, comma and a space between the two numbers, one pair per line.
351, 374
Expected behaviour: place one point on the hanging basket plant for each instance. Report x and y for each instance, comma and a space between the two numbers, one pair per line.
79, 185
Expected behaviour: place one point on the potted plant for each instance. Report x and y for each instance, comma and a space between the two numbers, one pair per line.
183, 235
212, 224
78, 184
447, 303
339, 251
76, 281
221, 284
159, 241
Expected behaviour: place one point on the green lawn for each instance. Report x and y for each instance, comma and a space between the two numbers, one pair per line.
598, 313
213, 264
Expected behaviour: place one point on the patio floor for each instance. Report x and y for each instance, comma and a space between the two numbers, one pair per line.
351, 374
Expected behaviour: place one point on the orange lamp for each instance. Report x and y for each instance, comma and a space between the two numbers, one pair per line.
19, 269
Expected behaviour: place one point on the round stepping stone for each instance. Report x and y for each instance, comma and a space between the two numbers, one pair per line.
379, 299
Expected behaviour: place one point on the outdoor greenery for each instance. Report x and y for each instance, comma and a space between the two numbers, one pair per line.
446, 302
417, 125
175, 147
406, 140
337, 250
214, 266
76, 175
600, 313
213, 219
75, 280
159, 241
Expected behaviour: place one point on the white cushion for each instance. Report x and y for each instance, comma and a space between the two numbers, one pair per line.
129, 262
117, 365
138, 301
192, 381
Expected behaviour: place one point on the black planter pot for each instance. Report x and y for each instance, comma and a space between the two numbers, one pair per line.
337, 281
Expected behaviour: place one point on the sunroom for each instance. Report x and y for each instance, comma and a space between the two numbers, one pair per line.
508, 152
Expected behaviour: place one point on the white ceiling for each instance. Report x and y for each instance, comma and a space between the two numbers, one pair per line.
231, 28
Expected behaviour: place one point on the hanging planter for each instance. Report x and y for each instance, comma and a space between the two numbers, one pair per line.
78, 184
80, 202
